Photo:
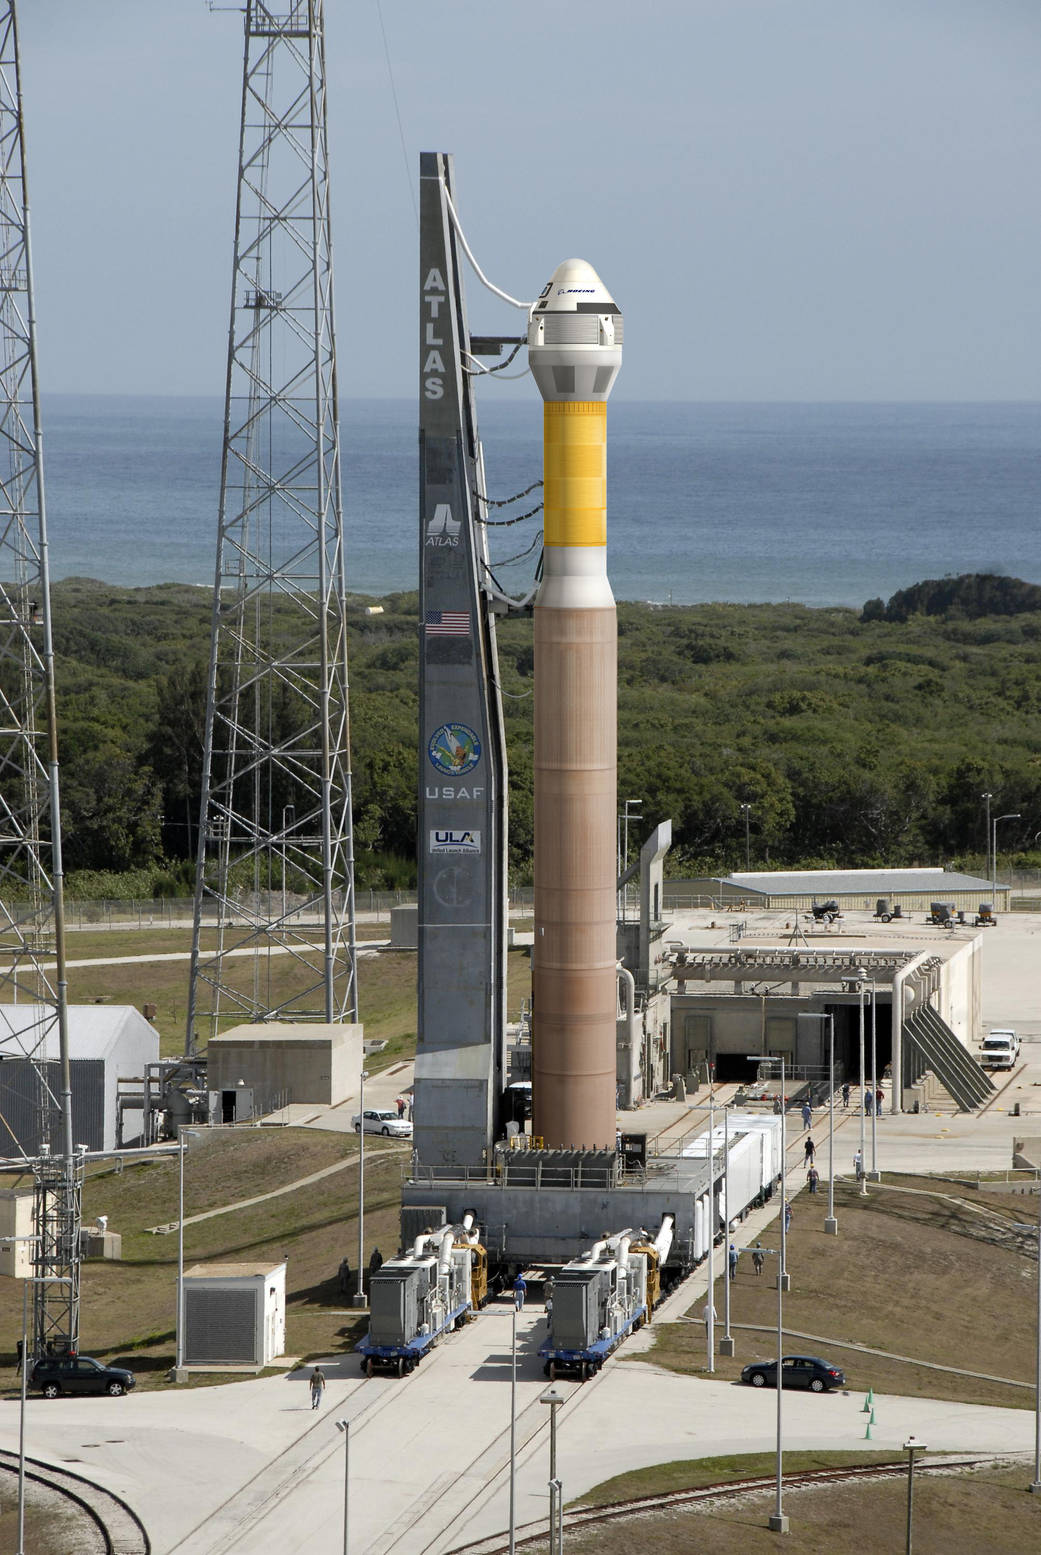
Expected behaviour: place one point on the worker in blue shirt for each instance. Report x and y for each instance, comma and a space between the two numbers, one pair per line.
520, 1290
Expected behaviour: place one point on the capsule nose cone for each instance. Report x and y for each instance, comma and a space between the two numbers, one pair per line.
575, 335
574, 282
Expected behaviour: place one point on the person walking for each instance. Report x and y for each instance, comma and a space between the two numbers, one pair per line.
520, 1290
858, 1165
813, 1177
317, 1386
733, 1257
809, 1150
880, 1097
869, 1102
758, 1259
787, 1216
400, 1104
807, 1115
845, 1096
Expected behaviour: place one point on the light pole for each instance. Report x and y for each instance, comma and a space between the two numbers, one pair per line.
710, 1310
911, 1446
513, 1428
746, 810
858, 979
726, 1344
359, 1294
1035, 1486
831, 1225
183, 1136
556, 1489
1013, 815
875, 1173
288, 819
987, 799
345, 1427
759, 1058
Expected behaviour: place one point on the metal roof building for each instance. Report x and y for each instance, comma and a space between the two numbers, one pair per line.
107, 1043
913, 889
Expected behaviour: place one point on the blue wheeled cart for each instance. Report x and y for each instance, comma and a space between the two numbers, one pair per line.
587, 1361
406, 1356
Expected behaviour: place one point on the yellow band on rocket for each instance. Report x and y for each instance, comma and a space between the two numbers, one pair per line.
575, 471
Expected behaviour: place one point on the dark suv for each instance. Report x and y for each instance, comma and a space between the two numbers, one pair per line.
79, 1374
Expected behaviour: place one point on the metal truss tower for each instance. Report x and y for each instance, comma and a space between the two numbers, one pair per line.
36, 1078
275, 867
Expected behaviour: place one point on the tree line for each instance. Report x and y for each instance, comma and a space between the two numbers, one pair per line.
858, 739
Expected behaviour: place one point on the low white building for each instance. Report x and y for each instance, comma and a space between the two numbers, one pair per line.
234, 1314
107, 1044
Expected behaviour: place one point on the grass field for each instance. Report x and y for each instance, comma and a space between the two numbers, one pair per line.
386, 983
986, 1511
128, 1307
912, 1273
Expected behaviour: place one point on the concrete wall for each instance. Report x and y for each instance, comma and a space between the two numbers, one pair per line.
959, 998
730, 1024
316, 1064
404, 927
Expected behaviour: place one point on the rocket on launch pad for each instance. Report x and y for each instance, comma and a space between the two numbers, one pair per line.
575, 351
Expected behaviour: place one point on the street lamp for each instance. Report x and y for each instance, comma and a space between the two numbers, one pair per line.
556, 1489
345, 1427
513, 1427
1013, 815
710, 1310
183, 1136
359, 1294
288, 819
858, 980
746, 810
987, 799
876, 1175
911, 1446
1035, 1486
831, 1225
726, 1344
21, 1405
759, 1058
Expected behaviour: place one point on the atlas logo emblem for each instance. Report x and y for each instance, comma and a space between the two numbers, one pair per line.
454, 749
443, 529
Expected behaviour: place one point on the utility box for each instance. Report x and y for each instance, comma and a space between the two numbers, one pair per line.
234, 1314
404, 927
100, 1244
580, 1298
312, 1063
16, 1220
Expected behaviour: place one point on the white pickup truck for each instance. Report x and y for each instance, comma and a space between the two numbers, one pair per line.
1000, 1049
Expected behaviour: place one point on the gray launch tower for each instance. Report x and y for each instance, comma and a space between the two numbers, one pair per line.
32, 928
275, 867
462, 753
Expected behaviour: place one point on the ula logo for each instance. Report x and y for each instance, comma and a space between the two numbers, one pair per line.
443, 529
455, 842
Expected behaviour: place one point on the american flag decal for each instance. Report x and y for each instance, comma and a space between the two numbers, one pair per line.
447, 623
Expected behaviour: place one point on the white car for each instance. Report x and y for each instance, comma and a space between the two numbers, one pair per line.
1000, 1050
383, 1120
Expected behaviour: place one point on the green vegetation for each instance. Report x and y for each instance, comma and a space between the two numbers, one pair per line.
858, 738
979, 1511
662, 1479
924, 1245
128, 1306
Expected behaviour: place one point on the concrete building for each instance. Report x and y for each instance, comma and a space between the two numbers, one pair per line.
796, 890
921, 1011
234, 1314
108, 1046
313, 1063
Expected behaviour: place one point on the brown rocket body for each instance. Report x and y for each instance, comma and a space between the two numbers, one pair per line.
575, 350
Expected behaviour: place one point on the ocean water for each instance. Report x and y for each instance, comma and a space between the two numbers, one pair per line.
822, 504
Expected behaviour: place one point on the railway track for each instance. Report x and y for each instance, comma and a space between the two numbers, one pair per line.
116, 1527
704, 1495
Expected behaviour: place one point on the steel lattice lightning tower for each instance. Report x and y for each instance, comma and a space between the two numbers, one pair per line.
275, 868
35, 1079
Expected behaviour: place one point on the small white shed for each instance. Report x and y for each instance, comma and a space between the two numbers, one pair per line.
234, 1314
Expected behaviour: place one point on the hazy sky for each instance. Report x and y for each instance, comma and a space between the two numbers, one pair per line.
811, 200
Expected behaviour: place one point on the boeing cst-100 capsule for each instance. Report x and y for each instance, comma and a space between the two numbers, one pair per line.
575, 351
